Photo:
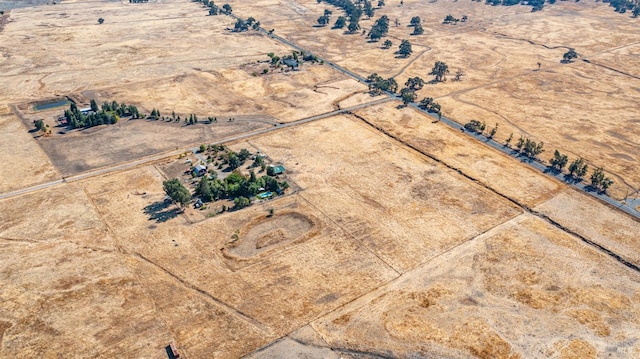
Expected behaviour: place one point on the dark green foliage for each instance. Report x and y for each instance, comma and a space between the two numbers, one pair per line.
109, 114
449, 19
508, 141
415, 21
341, 22
387, 44
530, 148
569, 56
226, 8
475, 126
414, 83
417, 30
100, 21
578, 168
493, 131
241, 202
323, 20
368, 9
407, 95
379, 28
94, 106
378, 85
439, 70
558, 161
405, 48
241, 25
428, 104
327, 12
39, 125
177, 191
599, 181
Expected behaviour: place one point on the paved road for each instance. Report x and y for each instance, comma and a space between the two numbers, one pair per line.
627, 206
160, 156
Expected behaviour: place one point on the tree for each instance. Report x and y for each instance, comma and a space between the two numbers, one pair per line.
177, 191
475, 126
508, 141
227, 9
414, 83
213, 10
353, 26
450, 19
578, 168
569, 55
415, 21
417, 30
636, 11
387, 44
205, 189
440, 69
380, 3
408, 95
405, 48
40, 126
327, 12
94, 106
558, 161
241, 202
100, 21
341, 22
459, 75
323, 20
368, 8
493, 131
203, 148
241, 26
599, 180
464, 18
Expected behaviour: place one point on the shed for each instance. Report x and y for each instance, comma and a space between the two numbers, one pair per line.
200, 170
277, 170
292, 63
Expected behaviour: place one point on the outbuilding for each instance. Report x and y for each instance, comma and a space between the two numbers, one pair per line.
200, 170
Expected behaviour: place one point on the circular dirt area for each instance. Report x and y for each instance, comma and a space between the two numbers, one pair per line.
265, 233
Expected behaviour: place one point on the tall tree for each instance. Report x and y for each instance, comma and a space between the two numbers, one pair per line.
578, 168
414, 83
407, 95
439, 70
340, 22
569, 56
177, 191
558, 161
405, 48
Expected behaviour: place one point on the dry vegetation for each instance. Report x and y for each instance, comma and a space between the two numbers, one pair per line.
400, 237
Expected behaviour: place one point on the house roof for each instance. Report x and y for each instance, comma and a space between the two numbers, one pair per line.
200, 168
278, 169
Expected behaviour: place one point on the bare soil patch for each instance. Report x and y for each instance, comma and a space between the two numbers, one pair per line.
493, 169
502, 286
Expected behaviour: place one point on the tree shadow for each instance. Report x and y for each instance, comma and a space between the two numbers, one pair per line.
160, 212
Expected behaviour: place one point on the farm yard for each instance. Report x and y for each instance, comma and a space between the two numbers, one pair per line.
293, 212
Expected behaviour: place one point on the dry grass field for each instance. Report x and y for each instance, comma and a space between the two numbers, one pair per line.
399, 237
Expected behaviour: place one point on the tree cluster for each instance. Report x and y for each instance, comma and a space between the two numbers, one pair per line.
429, 105
378, 85
109, 114
137, 1
475, 126
450, 19
599, 181
558, 161
379, 28
353, 12
529, 147
237, 186
324, 19
408, 95
244, 25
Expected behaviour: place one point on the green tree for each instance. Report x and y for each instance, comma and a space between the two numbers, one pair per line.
177, 191
508, 141
203, 148
558, 161
414, 83
341, 22
493, 131
241, 202
40, 126
407, 95
368, 8
417, 30
578, 168
205, 189
94, 106
227, 9
323, 20
100, 20
415, 21
405, 48
439, 70
569, 56
387, 44
599, 180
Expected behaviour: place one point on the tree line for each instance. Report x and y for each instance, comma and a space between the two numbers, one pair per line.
109, 114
